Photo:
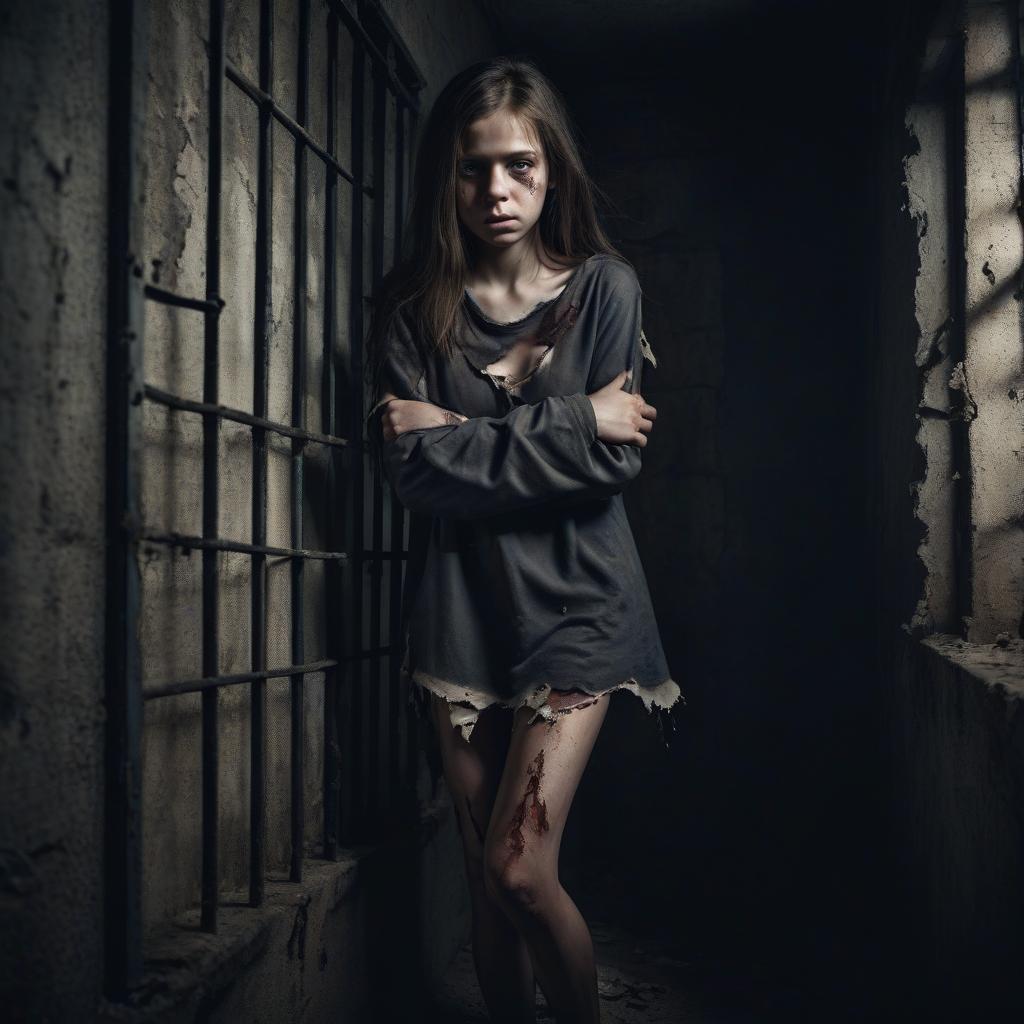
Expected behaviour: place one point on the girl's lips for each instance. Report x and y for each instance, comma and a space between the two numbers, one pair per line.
500, 223
499, 220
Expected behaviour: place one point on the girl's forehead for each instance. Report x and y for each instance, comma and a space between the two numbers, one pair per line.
500, 133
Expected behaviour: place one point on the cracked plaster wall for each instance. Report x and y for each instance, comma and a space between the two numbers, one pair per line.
949, 687
441, 39
52, 399
52, 308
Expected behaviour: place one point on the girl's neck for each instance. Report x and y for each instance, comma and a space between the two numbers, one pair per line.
507, 269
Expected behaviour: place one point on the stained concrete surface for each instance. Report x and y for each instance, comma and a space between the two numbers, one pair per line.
645, 982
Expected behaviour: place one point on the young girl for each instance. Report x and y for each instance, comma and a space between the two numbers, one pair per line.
506, 352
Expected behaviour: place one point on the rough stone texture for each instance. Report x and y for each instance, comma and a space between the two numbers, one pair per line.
52, 306
328, 949
950, 709
52, 315
957, 715
934, 493
994, 364
441, 39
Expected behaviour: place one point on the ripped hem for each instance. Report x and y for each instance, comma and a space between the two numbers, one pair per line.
465, 705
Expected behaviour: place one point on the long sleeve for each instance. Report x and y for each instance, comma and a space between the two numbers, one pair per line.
543, 452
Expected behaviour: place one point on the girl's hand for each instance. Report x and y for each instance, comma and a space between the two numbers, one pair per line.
401, 415
622, 418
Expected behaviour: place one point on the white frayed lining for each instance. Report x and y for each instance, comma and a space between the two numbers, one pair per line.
465, 705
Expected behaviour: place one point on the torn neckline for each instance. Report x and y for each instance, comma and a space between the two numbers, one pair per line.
507, 326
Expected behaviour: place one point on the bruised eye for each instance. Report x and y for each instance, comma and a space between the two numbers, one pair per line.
468, 167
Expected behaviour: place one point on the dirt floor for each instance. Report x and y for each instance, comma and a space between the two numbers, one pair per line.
639, 984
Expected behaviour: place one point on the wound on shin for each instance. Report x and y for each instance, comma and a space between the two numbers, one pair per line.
536, 813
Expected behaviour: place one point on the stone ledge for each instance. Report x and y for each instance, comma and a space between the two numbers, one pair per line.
991, 664
302, 930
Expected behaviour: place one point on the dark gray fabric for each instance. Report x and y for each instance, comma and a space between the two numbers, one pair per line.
522, 567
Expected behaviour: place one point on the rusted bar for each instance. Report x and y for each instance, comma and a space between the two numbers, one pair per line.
396, 719
162, 295
239, 416
377, 756
170, 689
352, 694
262, 328
184, 541
298, 566
178, 686
298, 131
366, 43
211, 433
328, 422
411, 722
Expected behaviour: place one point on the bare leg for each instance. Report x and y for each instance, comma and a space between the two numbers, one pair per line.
472, 772
543, 767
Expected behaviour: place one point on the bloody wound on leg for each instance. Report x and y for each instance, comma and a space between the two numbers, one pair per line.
536, 814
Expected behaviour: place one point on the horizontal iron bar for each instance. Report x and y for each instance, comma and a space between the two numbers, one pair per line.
170, 299
397, 86
258, 96
181, 540
179, 686
238, 416
196, 685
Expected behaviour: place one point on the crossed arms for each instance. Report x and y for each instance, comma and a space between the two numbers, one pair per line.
555, 449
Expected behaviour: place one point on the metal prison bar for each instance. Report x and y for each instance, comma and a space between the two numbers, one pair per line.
393, 72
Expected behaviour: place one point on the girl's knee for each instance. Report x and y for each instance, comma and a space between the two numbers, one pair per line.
521, 882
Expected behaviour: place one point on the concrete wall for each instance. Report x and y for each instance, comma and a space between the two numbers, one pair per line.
949, 659
993, 372
53, 59
53, 275
742, 842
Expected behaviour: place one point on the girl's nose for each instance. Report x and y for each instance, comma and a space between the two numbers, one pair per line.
497, 186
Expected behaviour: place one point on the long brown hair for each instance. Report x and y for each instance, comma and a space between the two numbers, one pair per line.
432, 271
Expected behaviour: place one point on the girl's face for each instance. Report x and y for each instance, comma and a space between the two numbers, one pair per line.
501, 173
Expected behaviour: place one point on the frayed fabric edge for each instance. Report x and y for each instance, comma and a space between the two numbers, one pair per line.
464, 705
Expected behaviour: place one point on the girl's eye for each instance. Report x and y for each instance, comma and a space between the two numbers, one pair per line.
520, 167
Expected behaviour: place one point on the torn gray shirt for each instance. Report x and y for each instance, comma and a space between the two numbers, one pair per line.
523, 575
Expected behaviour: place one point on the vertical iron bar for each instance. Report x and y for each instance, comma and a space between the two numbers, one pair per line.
123, 679
328, 425
411, 722
395, 782
211, 431
262, 327
298, 565
355, 724
378, 769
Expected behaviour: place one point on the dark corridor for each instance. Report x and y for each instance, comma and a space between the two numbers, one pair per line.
822, 204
